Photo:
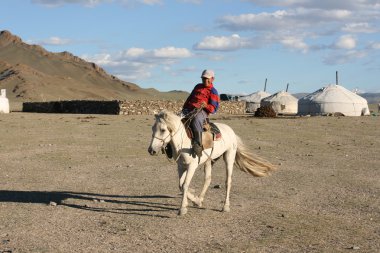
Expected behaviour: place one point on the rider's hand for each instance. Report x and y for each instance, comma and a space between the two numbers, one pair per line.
203, 104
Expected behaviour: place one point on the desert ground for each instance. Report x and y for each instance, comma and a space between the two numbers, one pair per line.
86, 183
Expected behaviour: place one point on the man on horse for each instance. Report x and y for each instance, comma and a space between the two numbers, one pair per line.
203, 101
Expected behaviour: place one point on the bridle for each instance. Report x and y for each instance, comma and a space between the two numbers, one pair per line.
164, 139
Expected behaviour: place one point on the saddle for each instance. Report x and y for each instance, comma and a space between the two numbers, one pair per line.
210, 132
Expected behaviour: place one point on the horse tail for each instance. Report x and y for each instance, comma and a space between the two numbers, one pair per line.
246, 161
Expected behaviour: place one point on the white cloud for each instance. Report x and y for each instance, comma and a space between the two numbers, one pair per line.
261, 21
363, 27
135, 52
56, 3
133, 73
296, 19
92, 3
346, 42
304, 26
235, 42
193, 29
52, 41
216, 57
191, 1
374, 45
224, 43
320, 4
344, 57
137, 63
165, 54
294, 43
100, 59
306, 18
151, 2
171, 53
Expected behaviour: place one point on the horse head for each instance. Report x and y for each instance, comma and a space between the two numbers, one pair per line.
161, 131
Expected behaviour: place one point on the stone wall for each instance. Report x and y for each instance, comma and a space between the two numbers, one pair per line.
150, 107
135, 107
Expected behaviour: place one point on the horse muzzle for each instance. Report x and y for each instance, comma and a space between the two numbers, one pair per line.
151, 151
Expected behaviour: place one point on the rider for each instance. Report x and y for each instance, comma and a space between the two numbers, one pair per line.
204, 98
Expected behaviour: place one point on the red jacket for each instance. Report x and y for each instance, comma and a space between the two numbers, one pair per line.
202, 93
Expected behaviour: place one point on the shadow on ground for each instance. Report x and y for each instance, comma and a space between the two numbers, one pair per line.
145, 205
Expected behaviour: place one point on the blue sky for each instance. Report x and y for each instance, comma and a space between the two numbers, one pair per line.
165, 44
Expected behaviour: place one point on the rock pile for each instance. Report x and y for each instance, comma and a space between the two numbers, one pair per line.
265, 111
148, 107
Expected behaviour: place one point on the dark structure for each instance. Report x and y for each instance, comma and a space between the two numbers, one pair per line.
74, 106
265, 111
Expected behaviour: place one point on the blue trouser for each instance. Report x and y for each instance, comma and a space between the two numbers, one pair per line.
197, 122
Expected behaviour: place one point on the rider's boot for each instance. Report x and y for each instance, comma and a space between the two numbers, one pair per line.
197, 143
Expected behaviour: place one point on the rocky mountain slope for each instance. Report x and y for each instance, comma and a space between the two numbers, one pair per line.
31, 73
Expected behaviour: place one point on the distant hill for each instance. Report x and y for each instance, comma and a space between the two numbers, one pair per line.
31, 73
372, 98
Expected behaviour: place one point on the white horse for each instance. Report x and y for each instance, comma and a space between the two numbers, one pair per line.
168, 129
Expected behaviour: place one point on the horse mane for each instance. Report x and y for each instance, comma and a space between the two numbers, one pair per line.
171, 120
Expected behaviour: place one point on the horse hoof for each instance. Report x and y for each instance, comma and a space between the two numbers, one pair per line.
226, 209
197, 202
182, 211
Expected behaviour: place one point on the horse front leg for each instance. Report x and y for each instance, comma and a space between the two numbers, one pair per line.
182, 172
188, 175
207, 180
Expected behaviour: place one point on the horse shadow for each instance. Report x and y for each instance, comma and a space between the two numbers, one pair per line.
145, 205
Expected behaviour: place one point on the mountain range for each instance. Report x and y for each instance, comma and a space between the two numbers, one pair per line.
31, 73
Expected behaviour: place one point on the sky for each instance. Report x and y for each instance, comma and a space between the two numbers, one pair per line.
166, 44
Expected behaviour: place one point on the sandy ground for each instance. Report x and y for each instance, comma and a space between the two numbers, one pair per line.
112, 196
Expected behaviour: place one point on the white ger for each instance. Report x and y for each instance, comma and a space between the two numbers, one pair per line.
168, 129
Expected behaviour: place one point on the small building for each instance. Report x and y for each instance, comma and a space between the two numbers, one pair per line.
4, 102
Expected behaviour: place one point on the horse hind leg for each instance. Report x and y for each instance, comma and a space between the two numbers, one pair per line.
229, 159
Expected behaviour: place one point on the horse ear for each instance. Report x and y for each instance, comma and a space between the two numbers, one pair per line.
166, 118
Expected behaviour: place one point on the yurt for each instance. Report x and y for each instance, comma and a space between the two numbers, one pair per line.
253, 100
4, 102
282, 103
333, 99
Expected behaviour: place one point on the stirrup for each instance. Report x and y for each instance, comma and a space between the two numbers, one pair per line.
197, 149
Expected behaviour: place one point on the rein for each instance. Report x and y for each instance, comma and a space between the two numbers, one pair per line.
188, 119
192, 115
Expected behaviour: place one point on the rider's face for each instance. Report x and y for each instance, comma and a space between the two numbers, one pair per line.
207, 81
